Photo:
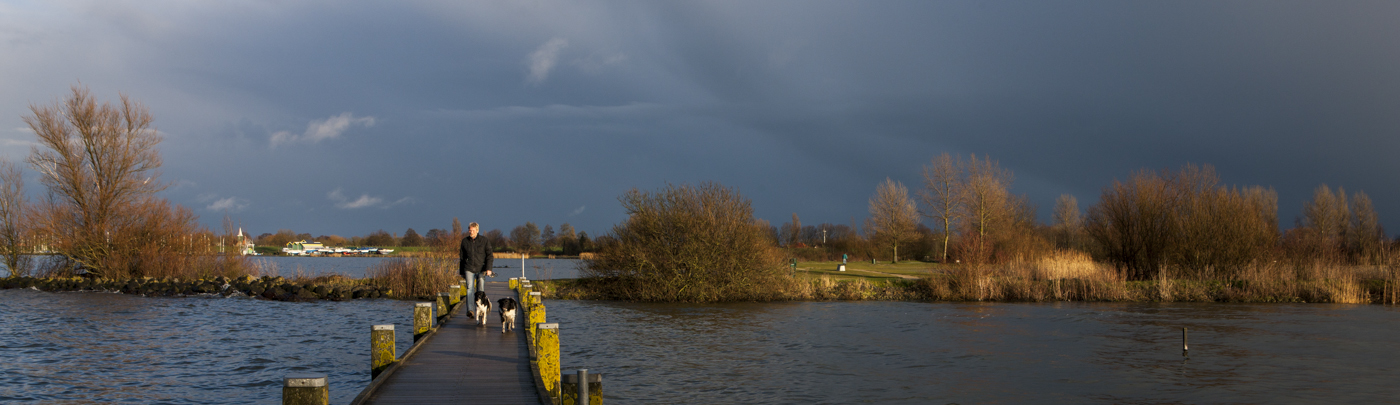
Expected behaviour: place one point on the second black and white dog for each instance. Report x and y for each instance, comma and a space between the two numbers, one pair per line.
507, 308
482, 305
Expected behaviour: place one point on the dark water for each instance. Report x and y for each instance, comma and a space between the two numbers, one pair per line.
535, 269
921, 353
101, 347
98, 347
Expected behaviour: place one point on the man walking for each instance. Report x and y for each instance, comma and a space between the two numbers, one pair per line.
476, 259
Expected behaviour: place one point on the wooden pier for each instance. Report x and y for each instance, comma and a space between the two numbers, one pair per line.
461, 362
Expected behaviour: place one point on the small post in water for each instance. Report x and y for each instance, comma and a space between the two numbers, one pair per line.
382, 352
305, 389
454, 294
422, 319
1183, 341
514, 282
536, 298
574, 393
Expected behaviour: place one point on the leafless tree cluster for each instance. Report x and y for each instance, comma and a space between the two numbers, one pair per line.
101, 168
1185, 221
971, 198
14, 224
1337, 231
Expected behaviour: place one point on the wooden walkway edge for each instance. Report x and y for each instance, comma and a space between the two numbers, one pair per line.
463, 362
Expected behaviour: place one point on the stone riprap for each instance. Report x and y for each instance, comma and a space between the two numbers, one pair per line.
272, 288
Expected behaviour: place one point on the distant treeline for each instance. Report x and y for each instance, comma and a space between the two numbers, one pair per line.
1183, 222
527, 238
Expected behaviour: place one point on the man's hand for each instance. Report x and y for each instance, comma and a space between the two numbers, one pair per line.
490, 273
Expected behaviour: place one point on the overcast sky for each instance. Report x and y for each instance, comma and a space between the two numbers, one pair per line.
333, 117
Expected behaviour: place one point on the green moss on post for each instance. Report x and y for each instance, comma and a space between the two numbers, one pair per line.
382, 352
547, 345
535, 298
454, 294
422, 319
514, 283
441, 307
305, 389
569, 389
535, 316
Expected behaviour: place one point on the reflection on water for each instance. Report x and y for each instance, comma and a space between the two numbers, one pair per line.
98, 347
894, 352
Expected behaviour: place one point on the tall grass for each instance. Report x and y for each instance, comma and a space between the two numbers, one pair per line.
420, 277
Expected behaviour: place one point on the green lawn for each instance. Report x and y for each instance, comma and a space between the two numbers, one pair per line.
879, 270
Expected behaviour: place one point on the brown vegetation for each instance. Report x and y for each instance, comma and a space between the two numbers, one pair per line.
691, 244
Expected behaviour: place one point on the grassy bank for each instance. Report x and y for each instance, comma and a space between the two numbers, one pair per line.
1057, 278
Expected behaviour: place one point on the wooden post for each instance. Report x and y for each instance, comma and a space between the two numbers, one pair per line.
514, 283
305, 389
441, 307
422, 319
454, 294
382, 351
547, 345
535, 316
1183, 341
569, 389
536, 298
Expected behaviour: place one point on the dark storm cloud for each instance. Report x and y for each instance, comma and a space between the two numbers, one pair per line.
346, 118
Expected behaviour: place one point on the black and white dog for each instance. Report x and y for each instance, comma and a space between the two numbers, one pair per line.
507, 308
482, 305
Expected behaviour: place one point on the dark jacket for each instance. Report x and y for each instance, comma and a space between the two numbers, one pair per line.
475, 256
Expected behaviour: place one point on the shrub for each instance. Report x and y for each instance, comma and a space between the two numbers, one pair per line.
691, 244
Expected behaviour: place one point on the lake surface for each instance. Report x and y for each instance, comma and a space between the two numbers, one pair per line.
100, 347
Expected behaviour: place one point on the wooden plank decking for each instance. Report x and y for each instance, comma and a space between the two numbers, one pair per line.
465, 363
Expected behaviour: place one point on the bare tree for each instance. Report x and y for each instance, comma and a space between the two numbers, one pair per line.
986, 200
1327, 215
14, 225
942, 195
795, 232
1364, 234
99, 164
1068, 223
893, 216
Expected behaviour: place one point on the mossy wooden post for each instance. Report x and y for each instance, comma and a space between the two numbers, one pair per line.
547, 346
441, 307
535, 315
525, 290
514, 283
305, 389
570, 391
454, 294
382, 352
536, 298
422, 319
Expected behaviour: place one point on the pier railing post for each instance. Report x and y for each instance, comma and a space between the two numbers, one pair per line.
514, 283
535, 315
454, 294
422, 319
536, 298
441, 307
382, 353
305, 389
570, 391
547, 344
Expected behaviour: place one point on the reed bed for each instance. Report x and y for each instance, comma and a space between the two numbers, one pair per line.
1072, 276
420, 277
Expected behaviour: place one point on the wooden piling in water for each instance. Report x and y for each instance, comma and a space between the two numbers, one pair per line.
454, 294
534, 315
422, 319
1183, 341
536, 298
547, 348
570, 391
382, 352
514, 283
305, 389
